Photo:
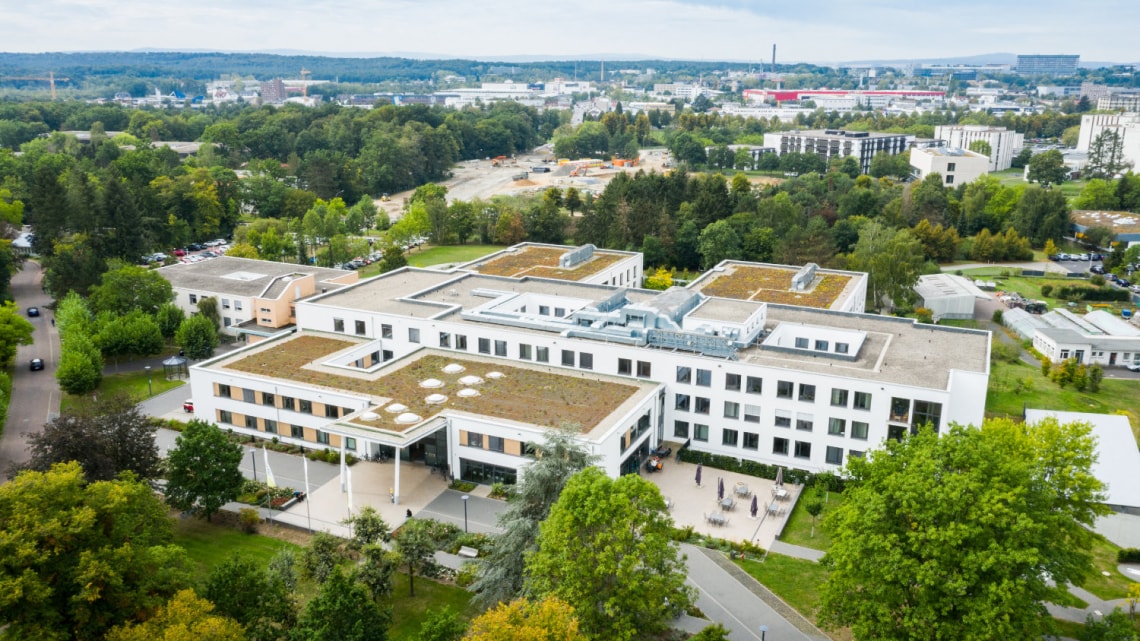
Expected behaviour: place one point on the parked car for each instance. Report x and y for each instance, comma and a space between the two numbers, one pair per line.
1054, 257
180, 252
1134, 367
195, 247
1064, 257
33, 312
1096, 269
540, 170
1083, 257
188, 405
36, 364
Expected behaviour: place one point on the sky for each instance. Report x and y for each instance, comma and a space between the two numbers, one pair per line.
804, 30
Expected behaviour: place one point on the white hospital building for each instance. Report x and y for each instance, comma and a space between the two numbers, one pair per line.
466, 368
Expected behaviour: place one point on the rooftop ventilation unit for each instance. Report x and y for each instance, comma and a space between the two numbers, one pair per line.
805, 277
576, 256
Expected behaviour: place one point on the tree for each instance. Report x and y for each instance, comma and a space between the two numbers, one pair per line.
718, 242
202, 469
607, 550
135, 333
342, 611
367, 527
81, 558
959, 535
14, 330
169, 317
1041, 214
1022, 158
442, 625
1106, 155
185, 617
892, 258
320, 558
208, 307
111, 438
124, 288
376, 569
415, 547
501, 575
981, 147
1114, 626
80, 365
548, 619
260, 601
1048, 168
814, 506
393, 259
661, 279
197, 336
714, 632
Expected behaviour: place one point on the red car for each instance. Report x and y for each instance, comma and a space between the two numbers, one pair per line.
188, 406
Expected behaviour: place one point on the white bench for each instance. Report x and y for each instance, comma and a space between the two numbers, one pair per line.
469, 553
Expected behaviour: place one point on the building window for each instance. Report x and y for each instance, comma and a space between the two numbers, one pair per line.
495, 443
807, 393
445, 340
927, 412
388, 355
804, 423
237, 305
224, 391
900, 410
251, 422
385, 331
526, 352
542, 354
500, 348
568, 358
461, 342
332, 411
338, 325
270, 425
322, 437
803, 449
225, 417
700, 432
951, 166
821, 346
288, 403
754, 385
842, 348
732, 382
350, 443
360, 328
296, 431
475, 439
780, 446
784, 389
306, 407
801, 343
704, 378
193, 299
227, 321
836, 426
862, 401
544, 310
248, 396
680, 429
855, 453
267, 399
644, 369
413, 335
839, 397
684, 374
625, 367
681, 402
585, 360
751, 441
703, 405
559, 312
834, 455
859, 430
484, 346
751, 413
729, 437
225, 303
731, 409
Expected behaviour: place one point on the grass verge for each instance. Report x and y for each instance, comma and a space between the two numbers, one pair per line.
1113, 586
798, 530
208, 544
796, 581
134, 384
408, 612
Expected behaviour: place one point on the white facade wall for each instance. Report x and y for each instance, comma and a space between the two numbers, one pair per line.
955, 169
1104, 352
1127, 126
234, 310
1004, 144
663, 366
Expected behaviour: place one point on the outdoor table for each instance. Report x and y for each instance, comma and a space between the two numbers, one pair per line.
716, 519
727, 503
780, 493
742, 490
773, 508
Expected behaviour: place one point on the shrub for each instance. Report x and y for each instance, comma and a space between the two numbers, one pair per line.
466, 574
1128, 555
480, 542
249, 518
462, 486
1097, 280
924, 315
1045, 290
502, 491
997, 317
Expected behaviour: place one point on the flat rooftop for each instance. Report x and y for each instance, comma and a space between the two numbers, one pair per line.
542, 261
246, 276
896, 350
773, 284
1121, 222
529, 394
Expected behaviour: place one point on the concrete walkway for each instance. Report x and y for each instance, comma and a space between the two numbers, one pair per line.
796, 551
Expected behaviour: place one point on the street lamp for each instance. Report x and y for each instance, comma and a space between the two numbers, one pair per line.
149, 388
465, 497
763, 631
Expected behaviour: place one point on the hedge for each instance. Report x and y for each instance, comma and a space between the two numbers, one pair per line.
1128, 555
827, 480
1093, 293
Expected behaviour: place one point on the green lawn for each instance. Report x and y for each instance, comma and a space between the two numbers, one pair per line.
1113, 586
794, 580
450, 254
134, 384
1014, 386
1030, 287
208, 544
408, 613
1014, 177
798, 530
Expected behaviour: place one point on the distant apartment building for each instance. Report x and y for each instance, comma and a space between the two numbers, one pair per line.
1119, 102
1047, 65
1126, 125
837, 143
273, 92
1004, 144
956, 166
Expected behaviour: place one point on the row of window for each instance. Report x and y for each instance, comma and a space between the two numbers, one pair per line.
493, 443
270, 426
290, 403
225, 302
751, 441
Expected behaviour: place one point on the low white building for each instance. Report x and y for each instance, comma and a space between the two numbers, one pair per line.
948, 296
956, 166
1097, 337
1004, 143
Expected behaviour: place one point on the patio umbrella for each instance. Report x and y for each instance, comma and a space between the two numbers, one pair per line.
780, 477
720, 488
698, 474
755, 506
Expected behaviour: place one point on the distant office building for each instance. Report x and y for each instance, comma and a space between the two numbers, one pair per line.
273, 92
837, 143
1126, 125
1004, 144
956, 166
1048, 65
1054, 91
1119, 102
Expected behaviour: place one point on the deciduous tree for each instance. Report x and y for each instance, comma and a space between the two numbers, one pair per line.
202, 469
197, 336
14, 330
124, 288
185, 617
415, 547
548, 619
342, 611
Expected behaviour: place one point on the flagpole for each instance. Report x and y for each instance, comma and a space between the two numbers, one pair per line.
308, 511
270, 482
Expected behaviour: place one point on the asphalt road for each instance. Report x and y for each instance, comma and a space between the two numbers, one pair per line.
35, 395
